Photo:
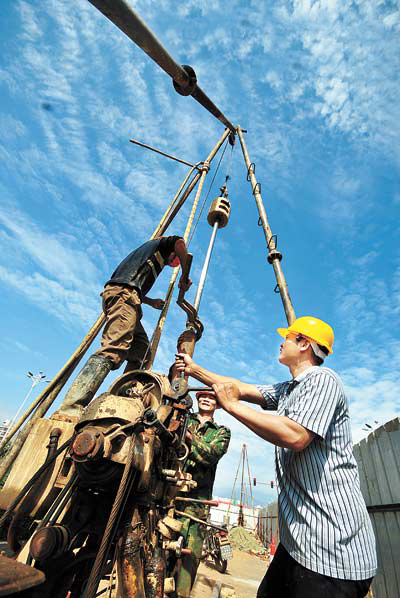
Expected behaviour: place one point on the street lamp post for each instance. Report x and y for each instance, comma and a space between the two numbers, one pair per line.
36, 379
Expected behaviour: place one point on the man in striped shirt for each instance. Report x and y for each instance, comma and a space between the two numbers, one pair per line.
327, 545
124, 337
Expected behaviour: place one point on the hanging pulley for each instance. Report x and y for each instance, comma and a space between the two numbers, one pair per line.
220, 209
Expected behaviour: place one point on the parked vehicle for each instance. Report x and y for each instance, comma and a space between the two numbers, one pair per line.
217, 547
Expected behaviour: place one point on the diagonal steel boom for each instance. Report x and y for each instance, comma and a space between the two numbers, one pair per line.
184, 78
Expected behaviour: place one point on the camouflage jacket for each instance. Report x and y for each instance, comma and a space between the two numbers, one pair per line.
209, 443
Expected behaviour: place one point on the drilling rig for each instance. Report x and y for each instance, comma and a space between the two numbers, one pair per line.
95, 504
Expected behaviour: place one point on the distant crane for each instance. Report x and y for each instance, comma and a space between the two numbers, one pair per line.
244, 498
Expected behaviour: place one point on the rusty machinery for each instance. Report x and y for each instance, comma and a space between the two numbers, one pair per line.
106, 494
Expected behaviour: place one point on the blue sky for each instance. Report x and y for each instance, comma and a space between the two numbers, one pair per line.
316, 84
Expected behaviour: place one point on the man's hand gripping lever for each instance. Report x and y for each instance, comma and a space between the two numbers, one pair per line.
193, 332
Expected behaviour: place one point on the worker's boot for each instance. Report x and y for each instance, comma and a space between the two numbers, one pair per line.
85, 385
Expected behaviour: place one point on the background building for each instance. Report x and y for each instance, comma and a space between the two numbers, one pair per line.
4, 427
228, 512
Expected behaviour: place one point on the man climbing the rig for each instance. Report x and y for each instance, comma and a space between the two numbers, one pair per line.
124, 337
327, 545
209, 442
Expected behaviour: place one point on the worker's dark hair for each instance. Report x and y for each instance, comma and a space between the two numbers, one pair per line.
318, 360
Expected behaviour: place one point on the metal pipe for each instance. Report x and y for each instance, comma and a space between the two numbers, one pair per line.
202, 174
173, 209
204, 271
157, 151
126, 19
274, 256
197, 520
211, 503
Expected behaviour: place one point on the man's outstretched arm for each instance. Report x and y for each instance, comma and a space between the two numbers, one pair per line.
277, 429
248, 392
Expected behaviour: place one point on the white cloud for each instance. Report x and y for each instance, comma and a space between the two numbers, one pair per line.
72, 307
70, 266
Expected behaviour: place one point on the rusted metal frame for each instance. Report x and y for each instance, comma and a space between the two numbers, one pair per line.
32, 481
157, 151
47, 397
154, 574
202, 174
185, 82
274, 256
173, 209
130, 566
16, 577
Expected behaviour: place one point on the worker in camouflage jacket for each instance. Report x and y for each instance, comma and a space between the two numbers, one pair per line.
209, 442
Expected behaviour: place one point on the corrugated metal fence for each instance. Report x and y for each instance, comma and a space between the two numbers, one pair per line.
378, 458
267, 524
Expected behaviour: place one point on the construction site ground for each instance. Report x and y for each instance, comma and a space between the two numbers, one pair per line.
241, 580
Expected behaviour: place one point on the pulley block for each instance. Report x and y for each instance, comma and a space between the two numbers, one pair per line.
219, 211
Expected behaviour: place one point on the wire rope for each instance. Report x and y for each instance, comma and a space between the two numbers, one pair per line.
208, 193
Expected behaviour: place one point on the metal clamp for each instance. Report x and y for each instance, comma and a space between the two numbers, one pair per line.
251, 170
191, 84
205, 166
274, 254
151, 420
257, 188
273, 239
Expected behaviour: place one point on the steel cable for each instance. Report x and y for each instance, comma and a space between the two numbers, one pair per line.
95, 574
208, 193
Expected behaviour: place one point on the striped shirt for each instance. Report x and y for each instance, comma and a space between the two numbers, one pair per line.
323, 520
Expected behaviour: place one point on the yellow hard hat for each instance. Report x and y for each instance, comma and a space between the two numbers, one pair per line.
313, 328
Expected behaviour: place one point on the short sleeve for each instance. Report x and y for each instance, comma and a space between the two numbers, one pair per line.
316, 402
271, 394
